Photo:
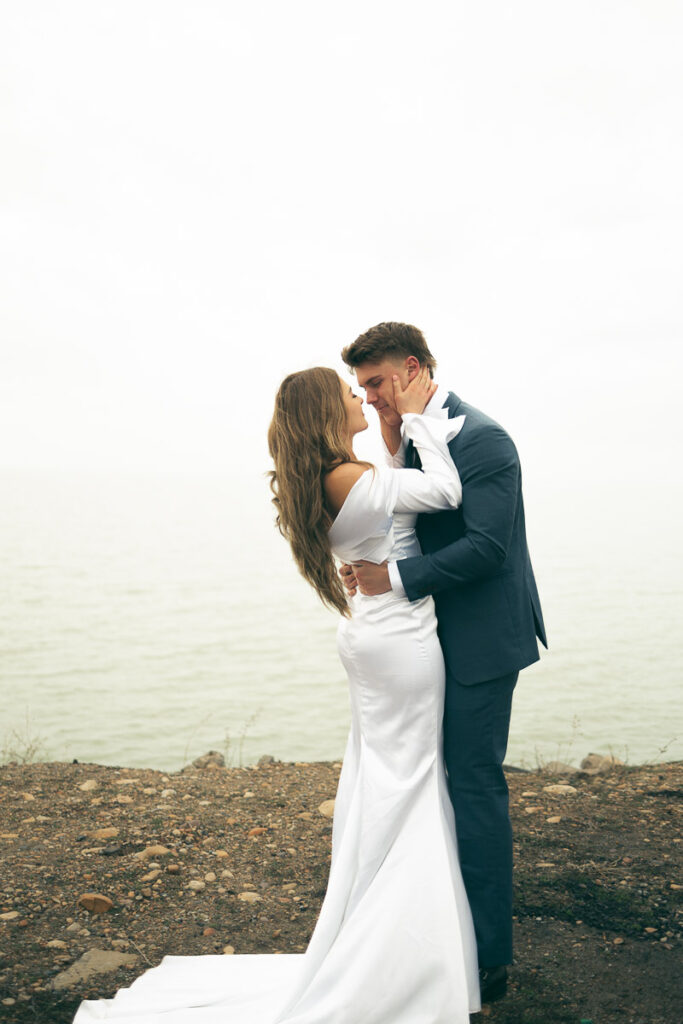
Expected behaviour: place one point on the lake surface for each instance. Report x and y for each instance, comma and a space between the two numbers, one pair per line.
148, 619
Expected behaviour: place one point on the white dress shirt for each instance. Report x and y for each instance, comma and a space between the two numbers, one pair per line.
435, 408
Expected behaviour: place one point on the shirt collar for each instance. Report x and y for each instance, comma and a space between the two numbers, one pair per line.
435, 405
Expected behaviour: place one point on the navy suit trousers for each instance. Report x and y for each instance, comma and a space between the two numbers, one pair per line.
476, 726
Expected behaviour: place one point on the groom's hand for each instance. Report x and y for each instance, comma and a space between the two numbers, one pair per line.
348, 578
372, 579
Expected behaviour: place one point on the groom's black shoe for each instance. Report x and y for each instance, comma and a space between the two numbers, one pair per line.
493, 982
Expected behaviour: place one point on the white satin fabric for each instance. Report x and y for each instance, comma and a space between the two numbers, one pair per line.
394, 942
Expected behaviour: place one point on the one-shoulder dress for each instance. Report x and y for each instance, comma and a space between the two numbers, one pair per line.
394, 942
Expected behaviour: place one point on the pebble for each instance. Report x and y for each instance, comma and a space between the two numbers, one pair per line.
532, 810
249, 897
258, 831
196, 885
209, 877
228, 950
87, 787
125, 782
151, 876
151, 851
227, 874
56, 944
555, 820
10, 1002
124, 799
94, 961
166, 793
212, 758
597, 764
560, 789
327, 808
10, 915
104, 833
75, 927
559, 768
95, 902
173, 869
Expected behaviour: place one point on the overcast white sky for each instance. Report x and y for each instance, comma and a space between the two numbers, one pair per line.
199, 197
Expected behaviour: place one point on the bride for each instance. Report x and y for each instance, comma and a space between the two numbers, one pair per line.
394, 942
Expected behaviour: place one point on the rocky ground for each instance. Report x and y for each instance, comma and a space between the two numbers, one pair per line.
105, 870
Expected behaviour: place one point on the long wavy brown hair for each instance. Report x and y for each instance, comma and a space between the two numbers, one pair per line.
308, 437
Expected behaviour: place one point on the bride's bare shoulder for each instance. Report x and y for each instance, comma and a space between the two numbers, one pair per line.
339, 481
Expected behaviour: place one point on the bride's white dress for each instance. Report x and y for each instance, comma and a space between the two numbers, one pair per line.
394, 942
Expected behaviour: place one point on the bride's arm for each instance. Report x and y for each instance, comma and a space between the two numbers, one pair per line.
437, 487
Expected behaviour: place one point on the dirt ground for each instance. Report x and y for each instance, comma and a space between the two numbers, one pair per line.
597, 880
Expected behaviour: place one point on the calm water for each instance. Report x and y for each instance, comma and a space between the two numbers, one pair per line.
146, 620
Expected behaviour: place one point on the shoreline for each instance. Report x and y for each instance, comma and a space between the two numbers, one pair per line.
216, 860
550, 765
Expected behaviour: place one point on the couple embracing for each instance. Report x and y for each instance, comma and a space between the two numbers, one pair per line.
440, 612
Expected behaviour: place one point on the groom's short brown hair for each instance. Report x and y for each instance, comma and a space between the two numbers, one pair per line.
387, 340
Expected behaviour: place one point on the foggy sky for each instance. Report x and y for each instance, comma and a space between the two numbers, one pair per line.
197, 198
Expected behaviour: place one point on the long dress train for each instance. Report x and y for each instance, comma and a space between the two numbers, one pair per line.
394, 942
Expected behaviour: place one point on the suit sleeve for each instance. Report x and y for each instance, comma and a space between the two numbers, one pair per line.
490, 473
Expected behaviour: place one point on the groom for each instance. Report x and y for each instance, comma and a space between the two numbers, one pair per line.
476, 564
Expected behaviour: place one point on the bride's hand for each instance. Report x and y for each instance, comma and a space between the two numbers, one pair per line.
416, 395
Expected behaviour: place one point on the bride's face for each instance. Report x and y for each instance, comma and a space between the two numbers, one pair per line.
355, 417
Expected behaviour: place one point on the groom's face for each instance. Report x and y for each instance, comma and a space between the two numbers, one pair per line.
377, 380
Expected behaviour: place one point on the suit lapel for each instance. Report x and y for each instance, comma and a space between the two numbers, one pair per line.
452, 403
413, 460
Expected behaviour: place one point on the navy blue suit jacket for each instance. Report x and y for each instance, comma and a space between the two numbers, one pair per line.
475, 559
